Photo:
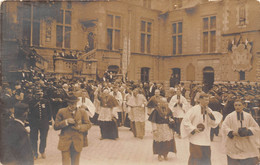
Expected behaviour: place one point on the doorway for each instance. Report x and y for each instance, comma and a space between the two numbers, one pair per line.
208, 78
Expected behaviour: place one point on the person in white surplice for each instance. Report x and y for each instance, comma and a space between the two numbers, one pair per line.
241, 137
196, 125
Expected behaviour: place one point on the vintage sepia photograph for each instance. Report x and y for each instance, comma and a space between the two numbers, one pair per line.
130, 82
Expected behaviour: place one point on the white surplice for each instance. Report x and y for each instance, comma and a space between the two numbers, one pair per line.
241, 147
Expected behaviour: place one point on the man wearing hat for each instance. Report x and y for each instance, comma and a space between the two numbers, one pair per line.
39, 118
16, 147
73, 123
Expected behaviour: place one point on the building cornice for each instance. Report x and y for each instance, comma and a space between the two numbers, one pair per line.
241, 32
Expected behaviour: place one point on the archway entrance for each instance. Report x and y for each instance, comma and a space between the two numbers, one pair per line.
208, 78
113, 68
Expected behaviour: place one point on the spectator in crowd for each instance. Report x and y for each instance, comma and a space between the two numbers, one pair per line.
16, 145
72, 122
39, 119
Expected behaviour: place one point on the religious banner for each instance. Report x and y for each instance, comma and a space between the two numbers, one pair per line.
126, 56
241, 56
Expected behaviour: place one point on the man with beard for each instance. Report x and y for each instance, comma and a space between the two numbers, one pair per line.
39, 118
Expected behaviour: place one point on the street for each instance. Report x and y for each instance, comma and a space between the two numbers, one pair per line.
126, 150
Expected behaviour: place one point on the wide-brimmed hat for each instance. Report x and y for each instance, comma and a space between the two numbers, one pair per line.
72, 98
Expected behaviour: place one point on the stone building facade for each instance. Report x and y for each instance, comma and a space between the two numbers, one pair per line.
147, 40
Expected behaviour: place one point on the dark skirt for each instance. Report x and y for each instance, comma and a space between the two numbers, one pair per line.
178, 125
163, 148
127, 121
248, 161
94, 119
109, 129
199, 155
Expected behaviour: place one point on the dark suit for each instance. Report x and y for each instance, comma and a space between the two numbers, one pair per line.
71, 140
151, 90
16, 147
39, 117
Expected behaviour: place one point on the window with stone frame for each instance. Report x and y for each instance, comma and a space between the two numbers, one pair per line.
177, 38
242, 15
145, 74
63, 27
209, 34
146, 36
31, 24
113, 32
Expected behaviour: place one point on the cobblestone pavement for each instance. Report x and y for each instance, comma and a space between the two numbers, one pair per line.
126, 150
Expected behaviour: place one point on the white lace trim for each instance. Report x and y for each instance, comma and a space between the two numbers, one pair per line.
137, 114
162, 133
106, 114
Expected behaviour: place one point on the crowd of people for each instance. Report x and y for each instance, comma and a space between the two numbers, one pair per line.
72, 106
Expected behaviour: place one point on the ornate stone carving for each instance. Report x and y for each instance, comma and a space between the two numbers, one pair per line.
241, 56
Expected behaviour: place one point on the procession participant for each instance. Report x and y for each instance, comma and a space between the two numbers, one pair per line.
85, 103
161, 88
215, 105
118, 96
72, 122
153, 101
178, 105
137, 103
196, 126
96, 103
241, 133
163, 139
171, 93
107, 117
39, 118
197, 95
152, 88
15, 143
125, 107
183, 89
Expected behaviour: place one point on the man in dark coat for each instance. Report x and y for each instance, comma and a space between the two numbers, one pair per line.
16, 147
215, 105
72, 122
39, 118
